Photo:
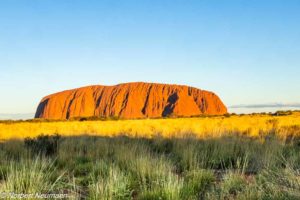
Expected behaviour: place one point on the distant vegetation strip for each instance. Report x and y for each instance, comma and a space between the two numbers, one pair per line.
274, 105
202, 127
94, 118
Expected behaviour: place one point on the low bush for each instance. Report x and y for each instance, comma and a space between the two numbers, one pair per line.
43, 144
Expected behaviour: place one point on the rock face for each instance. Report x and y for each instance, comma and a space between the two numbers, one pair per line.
130, 101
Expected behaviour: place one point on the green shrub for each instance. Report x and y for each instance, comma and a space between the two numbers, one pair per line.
43, 144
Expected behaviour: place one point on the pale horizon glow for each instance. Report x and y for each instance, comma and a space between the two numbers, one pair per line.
247, 52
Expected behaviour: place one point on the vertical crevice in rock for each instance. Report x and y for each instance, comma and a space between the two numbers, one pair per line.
168, 110
69, 106
147, 100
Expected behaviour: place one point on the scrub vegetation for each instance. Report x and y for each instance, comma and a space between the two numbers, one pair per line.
202, 127
231, 165
93, 167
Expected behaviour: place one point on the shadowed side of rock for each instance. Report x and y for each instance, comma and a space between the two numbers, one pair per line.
130, 101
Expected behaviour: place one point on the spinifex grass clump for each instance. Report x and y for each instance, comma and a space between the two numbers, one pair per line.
90, 167
197, 183
30, 177
114, 184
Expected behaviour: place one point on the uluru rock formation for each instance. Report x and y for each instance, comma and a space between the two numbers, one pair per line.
130, 101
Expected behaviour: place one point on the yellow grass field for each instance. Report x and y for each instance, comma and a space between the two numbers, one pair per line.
202, 127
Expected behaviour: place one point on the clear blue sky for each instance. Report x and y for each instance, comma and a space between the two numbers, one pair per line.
247, 51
